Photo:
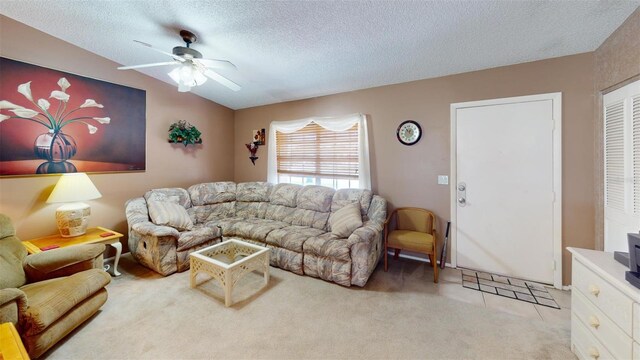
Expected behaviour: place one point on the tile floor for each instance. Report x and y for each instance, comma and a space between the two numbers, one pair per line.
450, 286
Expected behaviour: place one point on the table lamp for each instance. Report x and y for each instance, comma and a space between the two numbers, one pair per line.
73, 188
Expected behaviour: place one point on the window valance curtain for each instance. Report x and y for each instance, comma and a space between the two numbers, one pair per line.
340, 123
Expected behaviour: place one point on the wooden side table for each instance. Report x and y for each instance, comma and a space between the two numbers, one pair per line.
92, 236
11, 347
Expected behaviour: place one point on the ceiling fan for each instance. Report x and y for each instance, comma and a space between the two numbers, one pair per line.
191, 69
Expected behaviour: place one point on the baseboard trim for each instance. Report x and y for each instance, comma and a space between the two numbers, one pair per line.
424, 260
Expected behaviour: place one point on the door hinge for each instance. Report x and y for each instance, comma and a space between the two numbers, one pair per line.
553, 265
553, 196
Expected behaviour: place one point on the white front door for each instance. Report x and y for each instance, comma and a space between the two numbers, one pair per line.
506, 194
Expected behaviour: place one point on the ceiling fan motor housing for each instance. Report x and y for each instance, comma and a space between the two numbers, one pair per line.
186, 52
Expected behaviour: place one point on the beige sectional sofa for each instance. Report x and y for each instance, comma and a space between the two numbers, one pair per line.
293, 221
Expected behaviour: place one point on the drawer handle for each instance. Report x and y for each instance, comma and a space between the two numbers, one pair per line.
594, 322
593, 352
594, 290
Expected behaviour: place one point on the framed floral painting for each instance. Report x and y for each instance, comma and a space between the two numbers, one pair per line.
54, 122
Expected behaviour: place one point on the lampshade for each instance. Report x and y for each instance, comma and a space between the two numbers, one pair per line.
74, 187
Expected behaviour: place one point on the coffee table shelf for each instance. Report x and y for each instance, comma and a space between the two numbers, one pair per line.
228, 262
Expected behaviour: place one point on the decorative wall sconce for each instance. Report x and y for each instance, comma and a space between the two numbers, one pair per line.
182, 132
253, 149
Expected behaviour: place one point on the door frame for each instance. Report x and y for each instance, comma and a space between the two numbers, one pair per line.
556, 99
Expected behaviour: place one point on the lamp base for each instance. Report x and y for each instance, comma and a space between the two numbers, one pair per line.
73, 219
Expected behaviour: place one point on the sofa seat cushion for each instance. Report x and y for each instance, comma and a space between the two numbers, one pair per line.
199, 234
51, 299
226, 224
256, 229
292, 237
328, 245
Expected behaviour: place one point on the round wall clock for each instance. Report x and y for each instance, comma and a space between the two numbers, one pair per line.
409, 132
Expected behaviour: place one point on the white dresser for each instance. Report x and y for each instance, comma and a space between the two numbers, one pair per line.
605, 308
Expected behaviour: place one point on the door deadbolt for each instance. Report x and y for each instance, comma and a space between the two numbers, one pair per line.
462, 194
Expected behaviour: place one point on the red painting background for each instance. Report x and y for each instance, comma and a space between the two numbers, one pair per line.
117, 146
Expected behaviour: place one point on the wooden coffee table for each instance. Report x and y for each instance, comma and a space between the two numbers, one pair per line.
228, 262
92, 236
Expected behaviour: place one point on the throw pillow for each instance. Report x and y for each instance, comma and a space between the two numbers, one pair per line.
167, 213
344, 221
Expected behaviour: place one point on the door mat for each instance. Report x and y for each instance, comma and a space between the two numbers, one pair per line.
508, 287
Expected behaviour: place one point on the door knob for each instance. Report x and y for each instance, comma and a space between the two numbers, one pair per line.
462, 201
461, 187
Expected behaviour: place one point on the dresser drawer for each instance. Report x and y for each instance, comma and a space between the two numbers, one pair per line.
584, 345
601, 327
617, 306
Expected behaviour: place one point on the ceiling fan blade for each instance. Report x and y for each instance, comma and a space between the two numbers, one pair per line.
217, 64
148, 65
179, 58
222, 80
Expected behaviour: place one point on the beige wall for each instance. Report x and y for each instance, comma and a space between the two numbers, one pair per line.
617, 62
406, 176
23, 199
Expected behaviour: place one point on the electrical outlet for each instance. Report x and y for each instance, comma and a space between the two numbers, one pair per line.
443, 180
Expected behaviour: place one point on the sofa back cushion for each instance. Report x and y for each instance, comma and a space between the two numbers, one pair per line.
344, 197
176, 195
285, 195
256, 209
212, 193
253, 191
204, 213
317, 198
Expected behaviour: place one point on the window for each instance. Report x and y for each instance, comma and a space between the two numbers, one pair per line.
330, 152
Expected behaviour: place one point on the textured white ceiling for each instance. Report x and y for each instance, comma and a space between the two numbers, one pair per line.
289, 50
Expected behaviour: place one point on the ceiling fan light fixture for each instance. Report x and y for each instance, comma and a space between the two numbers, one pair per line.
187, 76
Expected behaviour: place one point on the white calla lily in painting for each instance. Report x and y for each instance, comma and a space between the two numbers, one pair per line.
53, 120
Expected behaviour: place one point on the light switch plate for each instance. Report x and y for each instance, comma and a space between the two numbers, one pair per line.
443, 180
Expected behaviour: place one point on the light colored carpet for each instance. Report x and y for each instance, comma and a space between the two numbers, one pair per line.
397, 315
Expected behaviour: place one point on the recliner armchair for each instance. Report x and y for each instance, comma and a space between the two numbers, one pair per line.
47, 295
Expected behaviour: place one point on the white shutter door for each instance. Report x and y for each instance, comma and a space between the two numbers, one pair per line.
614, 155
635, 116
621, 166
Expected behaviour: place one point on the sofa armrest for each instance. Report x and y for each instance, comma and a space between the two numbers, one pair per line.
366, 233
12, 303
63, 262
148, 228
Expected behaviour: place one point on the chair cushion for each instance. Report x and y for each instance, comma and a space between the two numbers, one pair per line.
51, 299
199, 234
414, 219
345, 220
167, 213
411, 240
292, 237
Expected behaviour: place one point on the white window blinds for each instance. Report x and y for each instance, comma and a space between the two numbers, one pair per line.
319, 152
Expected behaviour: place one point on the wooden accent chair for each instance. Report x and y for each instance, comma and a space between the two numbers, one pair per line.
414, 231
